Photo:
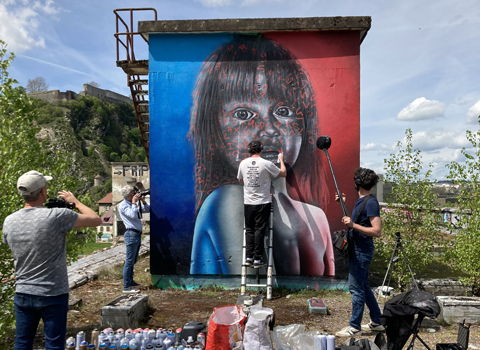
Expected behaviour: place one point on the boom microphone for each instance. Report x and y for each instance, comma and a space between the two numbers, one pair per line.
324, 142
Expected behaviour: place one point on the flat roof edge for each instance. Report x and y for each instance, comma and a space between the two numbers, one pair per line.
246, 25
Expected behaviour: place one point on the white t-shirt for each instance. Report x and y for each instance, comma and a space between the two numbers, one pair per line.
257, 174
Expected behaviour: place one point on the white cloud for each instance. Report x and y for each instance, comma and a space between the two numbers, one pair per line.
422, 109
473, 113
432, 140
19, 24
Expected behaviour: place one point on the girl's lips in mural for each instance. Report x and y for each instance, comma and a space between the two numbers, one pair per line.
270, 155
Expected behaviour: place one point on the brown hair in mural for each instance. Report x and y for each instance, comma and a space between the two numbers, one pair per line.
254, 89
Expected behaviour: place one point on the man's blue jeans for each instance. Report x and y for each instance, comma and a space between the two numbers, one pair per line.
29, 309
360, 290
132, 242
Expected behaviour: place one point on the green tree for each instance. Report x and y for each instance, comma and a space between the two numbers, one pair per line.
465, 249
21, 151
410, 211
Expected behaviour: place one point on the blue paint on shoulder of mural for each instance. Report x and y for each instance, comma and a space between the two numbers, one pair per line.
174, 65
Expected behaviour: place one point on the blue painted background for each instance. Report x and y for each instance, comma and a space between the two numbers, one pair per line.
175, 60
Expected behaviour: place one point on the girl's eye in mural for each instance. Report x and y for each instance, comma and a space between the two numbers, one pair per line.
284, 112
244, 114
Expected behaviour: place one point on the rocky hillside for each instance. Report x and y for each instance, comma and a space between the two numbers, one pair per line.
94, 133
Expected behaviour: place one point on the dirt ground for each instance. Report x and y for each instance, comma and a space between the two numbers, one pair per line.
172, 308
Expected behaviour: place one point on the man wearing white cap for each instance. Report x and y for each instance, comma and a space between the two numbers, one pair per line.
36, 235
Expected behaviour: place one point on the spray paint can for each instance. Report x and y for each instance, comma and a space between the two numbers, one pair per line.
171, 335
139, 337
83, 345
155, 341
103, 346
132, 344
94, 339
91, 346
120, 333
145, 332
145, 342
129, 334
149, 347
115, 341
159, 346
110, 335
112, 347
201, 338
178, 337
330, 342
70, 343
80, 338
181, 347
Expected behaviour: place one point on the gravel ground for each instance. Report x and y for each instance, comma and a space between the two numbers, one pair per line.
172, 308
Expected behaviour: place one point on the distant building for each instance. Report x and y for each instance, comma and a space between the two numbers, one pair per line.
105, 230
98, 181
57, 95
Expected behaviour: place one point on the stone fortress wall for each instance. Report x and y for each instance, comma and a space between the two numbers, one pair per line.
57, 95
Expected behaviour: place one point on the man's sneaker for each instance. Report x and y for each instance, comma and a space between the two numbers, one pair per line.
348, 332
258, 263
135, 284
130, 291
372, 327
248, 262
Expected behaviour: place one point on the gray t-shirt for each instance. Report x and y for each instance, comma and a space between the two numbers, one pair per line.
37, 238
257, 174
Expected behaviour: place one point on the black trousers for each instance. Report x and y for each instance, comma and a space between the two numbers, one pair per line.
256, 223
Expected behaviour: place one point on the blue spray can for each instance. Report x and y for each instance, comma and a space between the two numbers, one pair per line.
132, 344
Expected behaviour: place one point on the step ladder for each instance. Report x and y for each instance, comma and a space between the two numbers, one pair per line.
269, 249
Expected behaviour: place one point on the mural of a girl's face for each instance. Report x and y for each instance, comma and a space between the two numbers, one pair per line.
260, 114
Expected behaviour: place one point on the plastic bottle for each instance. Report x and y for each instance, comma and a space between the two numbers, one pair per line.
171, 335
167, 342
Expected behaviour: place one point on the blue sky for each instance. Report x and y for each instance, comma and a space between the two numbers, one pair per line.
419, 62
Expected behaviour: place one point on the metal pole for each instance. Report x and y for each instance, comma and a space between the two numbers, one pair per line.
270, 256
342, 204
243, 285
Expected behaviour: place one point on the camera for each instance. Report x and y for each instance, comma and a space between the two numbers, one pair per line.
142, 193
59, 203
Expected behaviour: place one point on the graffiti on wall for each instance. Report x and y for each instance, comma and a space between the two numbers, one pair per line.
252, 88
214, 93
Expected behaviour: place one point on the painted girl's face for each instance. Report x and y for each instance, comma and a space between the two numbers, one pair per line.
260, 116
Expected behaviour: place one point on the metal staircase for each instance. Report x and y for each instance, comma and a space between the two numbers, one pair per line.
136, 70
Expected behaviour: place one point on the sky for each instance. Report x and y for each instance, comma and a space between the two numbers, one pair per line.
420, 62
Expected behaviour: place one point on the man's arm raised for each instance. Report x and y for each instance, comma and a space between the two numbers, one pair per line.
87, 217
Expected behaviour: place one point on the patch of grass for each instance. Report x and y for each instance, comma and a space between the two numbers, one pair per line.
90, 247
115, 272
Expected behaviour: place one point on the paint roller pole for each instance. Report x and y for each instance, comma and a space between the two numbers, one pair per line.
324, 143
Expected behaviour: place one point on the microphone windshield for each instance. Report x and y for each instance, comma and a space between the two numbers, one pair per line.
324, 142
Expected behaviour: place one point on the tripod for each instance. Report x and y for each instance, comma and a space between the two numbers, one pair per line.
394, 259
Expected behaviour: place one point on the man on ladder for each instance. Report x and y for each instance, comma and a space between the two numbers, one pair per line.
257, 174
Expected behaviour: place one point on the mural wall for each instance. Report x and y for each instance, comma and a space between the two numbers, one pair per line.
211, 94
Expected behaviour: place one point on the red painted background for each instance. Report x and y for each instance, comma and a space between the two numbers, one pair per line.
332, 62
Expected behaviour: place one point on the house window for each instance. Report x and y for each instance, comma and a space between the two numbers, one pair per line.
108, 228
101, 228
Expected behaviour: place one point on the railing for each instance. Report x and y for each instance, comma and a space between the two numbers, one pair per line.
129, 33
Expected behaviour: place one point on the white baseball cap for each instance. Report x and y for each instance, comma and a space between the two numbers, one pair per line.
31, 181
